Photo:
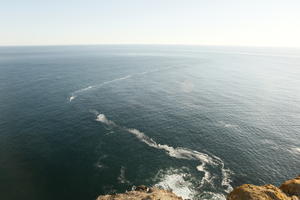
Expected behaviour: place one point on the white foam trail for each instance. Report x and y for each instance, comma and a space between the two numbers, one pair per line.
121, 178
294, 150
226, 179
72, 98
76, 93
207, 176
230, 126
227, 125
102, 118
297, 149
180, 153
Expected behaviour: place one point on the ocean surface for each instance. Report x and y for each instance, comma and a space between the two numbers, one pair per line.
80, 121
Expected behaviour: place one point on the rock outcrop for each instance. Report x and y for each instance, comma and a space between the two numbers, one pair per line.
142, 193
291, 187
289, 190
253, 192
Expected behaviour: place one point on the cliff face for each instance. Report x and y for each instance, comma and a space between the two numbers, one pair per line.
289, 190
142, 193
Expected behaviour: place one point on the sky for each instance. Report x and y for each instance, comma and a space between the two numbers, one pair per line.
189, 22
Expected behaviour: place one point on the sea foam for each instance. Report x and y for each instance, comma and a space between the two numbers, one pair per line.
177, 181
102, 118
121, 178
180, 153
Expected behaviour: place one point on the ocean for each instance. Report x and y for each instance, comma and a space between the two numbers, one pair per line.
80, 121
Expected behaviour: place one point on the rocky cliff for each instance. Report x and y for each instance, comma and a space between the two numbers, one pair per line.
142, 193
289, 190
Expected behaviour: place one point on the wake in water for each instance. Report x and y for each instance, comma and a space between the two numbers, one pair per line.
206, 161
76, 93
121, 178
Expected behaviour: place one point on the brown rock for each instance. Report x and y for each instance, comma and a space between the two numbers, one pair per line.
291, 187
253, 192
142, 188
142, 193
289, 190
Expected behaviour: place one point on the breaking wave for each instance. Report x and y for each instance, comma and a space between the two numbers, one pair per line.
207, 161
176, 180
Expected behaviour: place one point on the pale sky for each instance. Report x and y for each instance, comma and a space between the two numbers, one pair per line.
192, 22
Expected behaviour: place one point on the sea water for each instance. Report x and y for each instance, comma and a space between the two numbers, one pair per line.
80, 121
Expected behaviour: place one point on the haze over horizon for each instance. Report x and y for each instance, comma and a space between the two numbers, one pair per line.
199, 98
192, 22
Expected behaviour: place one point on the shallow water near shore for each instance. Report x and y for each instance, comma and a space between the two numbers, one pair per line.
80, 121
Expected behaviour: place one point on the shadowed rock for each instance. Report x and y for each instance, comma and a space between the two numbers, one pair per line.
291, 187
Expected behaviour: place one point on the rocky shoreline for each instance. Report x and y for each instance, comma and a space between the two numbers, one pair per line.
142, 193
289, 190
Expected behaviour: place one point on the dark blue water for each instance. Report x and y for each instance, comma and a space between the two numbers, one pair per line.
80, 121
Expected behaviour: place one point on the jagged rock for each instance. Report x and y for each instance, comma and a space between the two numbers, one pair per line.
253, 192
142, 193
289, 190
291, 187
142, 188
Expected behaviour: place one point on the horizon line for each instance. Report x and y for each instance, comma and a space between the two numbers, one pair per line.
148, 44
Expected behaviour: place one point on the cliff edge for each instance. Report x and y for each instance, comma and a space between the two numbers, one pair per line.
142, 193
289, 190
